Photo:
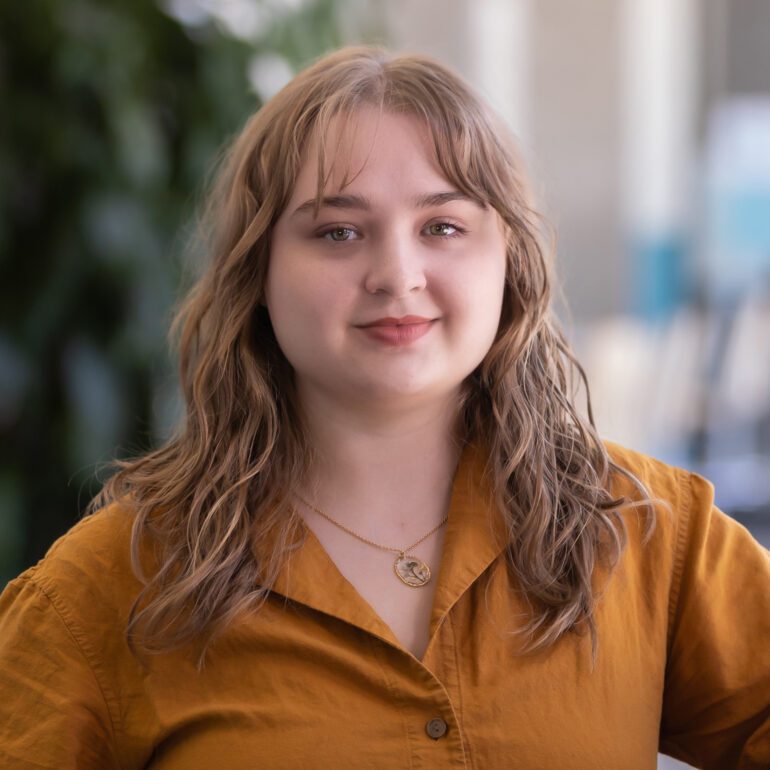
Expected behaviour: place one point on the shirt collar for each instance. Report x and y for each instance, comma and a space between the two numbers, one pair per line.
474, 538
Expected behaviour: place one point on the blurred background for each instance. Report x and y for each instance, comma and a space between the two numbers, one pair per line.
645, 125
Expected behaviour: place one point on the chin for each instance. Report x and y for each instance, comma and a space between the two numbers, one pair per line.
404, 391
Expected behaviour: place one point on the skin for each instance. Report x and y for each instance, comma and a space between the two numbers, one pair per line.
383, 417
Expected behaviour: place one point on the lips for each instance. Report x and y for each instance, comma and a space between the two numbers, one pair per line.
407, 320
398, 332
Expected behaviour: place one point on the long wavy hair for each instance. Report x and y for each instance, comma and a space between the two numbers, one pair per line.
215, 500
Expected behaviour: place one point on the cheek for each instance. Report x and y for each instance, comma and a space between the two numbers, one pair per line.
494, 285
478, 294
288, 287
286, 305
304, 304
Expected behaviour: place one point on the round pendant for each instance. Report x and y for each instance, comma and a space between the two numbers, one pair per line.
411, 570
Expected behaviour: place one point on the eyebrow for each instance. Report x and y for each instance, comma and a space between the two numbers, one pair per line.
362, 203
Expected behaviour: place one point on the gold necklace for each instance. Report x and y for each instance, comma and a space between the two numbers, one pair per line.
409, 569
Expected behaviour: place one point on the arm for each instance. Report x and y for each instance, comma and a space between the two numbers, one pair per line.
716, 705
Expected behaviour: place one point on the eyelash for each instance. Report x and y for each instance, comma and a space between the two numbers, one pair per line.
458, 231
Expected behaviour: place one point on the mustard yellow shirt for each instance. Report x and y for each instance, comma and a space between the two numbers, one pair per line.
317, 680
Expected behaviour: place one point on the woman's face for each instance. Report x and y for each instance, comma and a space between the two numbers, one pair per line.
398, 241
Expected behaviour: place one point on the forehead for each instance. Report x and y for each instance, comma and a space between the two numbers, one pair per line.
366, 139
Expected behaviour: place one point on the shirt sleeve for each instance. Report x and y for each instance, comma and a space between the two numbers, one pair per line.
53, 711
716, 704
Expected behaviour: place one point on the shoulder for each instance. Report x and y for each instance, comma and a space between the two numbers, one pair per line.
660, 479
62, 644
98, 546
86, 577
695, 549
683, 501
679, 499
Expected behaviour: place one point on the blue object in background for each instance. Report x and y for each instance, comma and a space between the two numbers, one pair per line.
737, 215
658, 274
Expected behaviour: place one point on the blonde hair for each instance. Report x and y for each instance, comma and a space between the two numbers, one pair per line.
217, 493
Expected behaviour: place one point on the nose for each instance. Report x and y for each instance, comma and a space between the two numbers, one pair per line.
395, 268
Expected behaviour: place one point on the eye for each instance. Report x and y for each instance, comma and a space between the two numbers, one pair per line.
445, 229
338, 234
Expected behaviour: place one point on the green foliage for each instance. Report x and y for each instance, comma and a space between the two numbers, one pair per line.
112, 113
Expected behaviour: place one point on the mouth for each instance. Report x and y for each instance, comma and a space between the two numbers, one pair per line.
407, 320
398, 334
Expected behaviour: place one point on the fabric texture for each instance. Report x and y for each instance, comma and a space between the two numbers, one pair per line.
316, 679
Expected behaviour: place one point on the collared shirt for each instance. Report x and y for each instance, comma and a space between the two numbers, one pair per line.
316, 679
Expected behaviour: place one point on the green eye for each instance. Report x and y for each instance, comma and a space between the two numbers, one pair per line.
339, 234
442, 229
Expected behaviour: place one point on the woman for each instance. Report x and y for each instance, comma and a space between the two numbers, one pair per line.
384, 536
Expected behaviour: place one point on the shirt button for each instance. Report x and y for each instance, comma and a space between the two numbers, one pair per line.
436, 728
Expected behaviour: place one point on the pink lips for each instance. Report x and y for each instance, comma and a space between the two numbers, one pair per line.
398, 331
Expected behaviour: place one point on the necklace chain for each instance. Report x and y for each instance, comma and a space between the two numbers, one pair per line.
400, 551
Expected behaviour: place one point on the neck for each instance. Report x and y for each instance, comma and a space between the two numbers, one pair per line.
389, 478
